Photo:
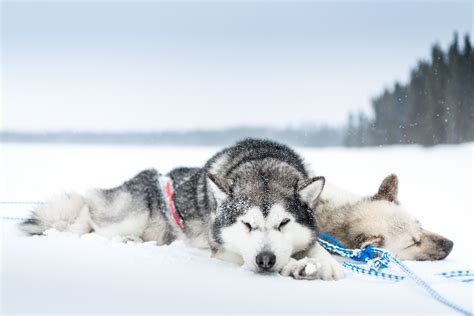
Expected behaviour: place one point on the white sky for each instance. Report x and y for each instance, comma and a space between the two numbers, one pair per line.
153, 65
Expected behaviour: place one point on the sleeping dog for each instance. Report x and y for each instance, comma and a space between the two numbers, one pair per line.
378, 220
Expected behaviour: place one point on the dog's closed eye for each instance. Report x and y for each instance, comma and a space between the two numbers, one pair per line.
283, 223
416, 243
249, 227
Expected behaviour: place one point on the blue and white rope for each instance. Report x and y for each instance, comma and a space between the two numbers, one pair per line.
429, 289
457, 273
464, 276
384, 259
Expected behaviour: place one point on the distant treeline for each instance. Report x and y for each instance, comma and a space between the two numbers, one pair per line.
304, 136
436, 106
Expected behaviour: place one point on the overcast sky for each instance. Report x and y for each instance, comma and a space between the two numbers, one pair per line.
154, 65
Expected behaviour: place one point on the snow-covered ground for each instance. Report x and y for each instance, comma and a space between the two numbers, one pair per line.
61, 273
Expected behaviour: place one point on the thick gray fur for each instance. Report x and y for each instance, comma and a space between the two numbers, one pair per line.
257, 173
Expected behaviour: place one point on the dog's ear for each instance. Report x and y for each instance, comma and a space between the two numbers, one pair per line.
220, 187
388, 190
363, 240
310, 189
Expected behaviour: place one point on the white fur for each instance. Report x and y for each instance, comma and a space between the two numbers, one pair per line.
82, 224
131, 226
218, 194
72, 213
265, 235
229, 256
155, 231
219, 164
384, 220
336, 196
59, 213
329, 268
318, 265
398, 227
312, 191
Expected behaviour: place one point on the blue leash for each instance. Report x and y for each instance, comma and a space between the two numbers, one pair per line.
383, 260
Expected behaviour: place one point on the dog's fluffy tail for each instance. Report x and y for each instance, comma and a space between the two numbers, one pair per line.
67, 212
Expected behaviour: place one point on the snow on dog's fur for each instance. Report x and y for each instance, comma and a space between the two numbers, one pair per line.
378, 220
252, 204
278, 234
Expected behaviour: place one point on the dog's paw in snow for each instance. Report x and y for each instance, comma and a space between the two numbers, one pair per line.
310, 269
303, 269
330, 269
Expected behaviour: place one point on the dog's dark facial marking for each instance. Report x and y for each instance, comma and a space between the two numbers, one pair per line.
227, 214
388, 190
301, 211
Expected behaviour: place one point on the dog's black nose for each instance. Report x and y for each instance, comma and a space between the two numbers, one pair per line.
446, 245
266, 260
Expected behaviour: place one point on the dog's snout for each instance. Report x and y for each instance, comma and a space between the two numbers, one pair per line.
446, 245
265, 260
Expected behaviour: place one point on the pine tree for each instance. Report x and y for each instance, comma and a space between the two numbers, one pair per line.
349, 139
400, 99
453, 93
420, 112
363, 130
467, 105
436, 94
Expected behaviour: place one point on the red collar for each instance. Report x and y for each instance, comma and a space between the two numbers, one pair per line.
167, 187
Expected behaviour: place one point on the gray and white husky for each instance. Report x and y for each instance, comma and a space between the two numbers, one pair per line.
378, 220
251, 204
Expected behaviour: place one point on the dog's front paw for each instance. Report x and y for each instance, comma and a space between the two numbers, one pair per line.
311, 269
330, 269
303, 269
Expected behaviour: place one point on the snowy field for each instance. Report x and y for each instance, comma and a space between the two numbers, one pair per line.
61, 273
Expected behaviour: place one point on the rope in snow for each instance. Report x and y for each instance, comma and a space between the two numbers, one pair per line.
21, 202
456, 274
385, 258
12, 218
